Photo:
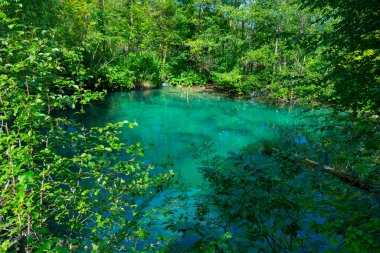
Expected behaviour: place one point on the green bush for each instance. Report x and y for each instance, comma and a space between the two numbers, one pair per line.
119, 77
54, 171
134, 70
232, 81
188, 78
145, 66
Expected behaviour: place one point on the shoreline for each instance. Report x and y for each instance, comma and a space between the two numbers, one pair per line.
211, 88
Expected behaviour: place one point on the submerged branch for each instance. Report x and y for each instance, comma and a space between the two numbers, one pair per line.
341, 175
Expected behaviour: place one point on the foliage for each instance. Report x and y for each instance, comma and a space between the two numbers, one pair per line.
129, 73
63, 187
352, 51
231, 81
279, 48
187, 79
120, 77
145, 66
284, 207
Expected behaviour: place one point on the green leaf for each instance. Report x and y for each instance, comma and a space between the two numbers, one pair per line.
3, 15
227, 235
4, 246
94, 248
46, 247
27, 177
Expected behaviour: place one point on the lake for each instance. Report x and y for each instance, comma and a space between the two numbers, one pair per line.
172, 121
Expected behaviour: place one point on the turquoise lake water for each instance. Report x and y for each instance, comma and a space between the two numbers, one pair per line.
171, 120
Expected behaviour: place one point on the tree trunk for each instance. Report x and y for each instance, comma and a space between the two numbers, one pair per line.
341, 175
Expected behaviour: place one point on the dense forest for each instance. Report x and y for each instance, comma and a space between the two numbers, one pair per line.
64, 187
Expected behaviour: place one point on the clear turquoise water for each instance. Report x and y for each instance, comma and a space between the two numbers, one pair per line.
171, 120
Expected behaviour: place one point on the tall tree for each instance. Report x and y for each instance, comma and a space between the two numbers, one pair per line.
352, 48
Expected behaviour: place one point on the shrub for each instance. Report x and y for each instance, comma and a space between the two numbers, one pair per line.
134, 70
188, 78
233, 81
145, 66
119, 77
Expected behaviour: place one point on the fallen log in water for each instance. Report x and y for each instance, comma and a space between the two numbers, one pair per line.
342, 175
